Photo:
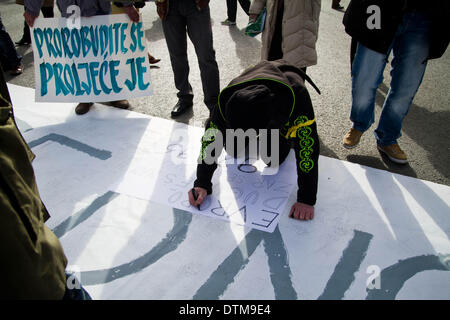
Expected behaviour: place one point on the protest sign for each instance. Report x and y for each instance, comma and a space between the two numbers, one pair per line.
102, 59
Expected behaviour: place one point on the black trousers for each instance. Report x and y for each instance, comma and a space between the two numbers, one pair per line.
183, 16
232, 8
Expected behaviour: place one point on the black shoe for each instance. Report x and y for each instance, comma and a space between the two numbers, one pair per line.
23, 42
180, 108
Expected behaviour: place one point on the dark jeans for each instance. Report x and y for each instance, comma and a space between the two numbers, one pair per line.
184, 16
47, 12
9, 58
232, 8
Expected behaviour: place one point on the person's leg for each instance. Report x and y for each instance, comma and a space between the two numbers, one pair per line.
26, 37
9, 58
367, 74
245, 5
174, 27
410, 52
47, 12
200, 32
231, 10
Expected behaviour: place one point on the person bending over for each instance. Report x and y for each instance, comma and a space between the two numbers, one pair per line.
272, 96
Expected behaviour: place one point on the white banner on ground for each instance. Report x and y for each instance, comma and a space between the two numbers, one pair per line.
244, 193
375, 234
103, 59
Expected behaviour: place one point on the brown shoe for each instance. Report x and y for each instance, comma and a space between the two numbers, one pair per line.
17, 70
121, 104
83, 108
352, 138
394, 153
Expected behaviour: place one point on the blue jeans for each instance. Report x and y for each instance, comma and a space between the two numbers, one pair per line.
410, 50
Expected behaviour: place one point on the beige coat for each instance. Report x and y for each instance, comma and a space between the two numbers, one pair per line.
300, 29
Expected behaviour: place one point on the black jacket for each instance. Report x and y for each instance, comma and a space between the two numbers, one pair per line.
291, 112
356, 16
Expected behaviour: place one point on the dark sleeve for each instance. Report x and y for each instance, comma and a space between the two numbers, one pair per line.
377, 39
439, 35
212, 146
307, 148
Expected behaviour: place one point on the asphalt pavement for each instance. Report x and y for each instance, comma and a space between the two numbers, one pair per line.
426, 130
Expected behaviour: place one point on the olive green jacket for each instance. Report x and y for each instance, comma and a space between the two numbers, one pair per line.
32, 259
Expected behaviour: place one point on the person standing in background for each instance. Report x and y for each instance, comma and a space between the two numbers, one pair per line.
179, 19
415, 31
290, 31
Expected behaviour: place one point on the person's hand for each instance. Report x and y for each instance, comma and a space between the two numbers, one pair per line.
253, 17
29, 18
162, 7
302, 211
201, 195
132, 13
